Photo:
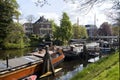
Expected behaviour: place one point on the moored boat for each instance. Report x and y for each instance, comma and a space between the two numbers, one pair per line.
19, 68
73, 51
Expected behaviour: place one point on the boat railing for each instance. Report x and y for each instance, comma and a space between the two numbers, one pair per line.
20, 67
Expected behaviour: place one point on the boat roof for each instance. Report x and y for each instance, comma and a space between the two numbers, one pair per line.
18, 62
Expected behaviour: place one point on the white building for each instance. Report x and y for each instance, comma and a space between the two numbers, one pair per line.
91, 30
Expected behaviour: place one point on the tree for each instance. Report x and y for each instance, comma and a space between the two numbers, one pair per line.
56, 31
30, 18
76, 32
116, 30
79, 32
54, 28
48, 37
65, 28
8, 9
105, 29
15, 37
83, 32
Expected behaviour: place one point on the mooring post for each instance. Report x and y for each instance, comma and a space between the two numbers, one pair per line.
100, 51
7, 63
47, 62
85, 52
100, 54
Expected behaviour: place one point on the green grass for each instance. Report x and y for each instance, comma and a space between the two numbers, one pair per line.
105, 69
109, 74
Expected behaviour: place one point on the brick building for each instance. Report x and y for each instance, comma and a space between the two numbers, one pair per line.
28, 28
41, 27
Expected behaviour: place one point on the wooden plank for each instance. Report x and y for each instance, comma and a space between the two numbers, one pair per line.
50, 73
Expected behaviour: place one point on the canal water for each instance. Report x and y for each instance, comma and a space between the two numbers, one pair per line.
14, 53
69, 68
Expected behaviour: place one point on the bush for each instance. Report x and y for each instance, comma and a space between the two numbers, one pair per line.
13, 46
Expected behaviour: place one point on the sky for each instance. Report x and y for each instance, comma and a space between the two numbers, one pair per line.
55, 9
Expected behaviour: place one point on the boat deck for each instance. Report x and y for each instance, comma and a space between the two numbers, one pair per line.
41, 53
19, 62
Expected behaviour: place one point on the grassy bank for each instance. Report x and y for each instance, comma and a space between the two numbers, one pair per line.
105, 69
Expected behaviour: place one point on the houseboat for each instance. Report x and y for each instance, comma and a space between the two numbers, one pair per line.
19, 68
73, 51
105, 47
93, 49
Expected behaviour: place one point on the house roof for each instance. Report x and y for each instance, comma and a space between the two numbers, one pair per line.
41, 20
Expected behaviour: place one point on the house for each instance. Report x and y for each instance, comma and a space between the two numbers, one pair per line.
28, 28
42, 27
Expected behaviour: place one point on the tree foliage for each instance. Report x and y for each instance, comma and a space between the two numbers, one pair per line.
55, 33
65, 28
116, 30
30, 18
105, 29
8, 9
15, 37
54, 28
79, 32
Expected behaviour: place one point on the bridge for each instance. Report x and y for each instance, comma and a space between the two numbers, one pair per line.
105, 37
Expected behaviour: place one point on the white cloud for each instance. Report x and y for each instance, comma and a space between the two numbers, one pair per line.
74, 12
50, 16
35, 0
22, 21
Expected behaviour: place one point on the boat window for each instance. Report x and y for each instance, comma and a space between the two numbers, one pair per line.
106, 45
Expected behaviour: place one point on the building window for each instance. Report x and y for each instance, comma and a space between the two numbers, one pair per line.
48, 26
41, 25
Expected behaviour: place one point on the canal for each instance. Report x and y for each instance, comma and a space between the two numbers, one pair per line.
69, 68
14, 53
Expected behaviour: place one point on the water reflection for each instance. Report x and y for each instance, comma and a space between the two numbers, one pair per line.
70, 68
14, 53
70, 74
93, 59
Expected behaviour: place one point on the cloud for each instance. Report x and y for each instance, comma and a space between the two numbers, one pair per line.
72, 9
22, 21
74, 12
47, 15
35, 0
